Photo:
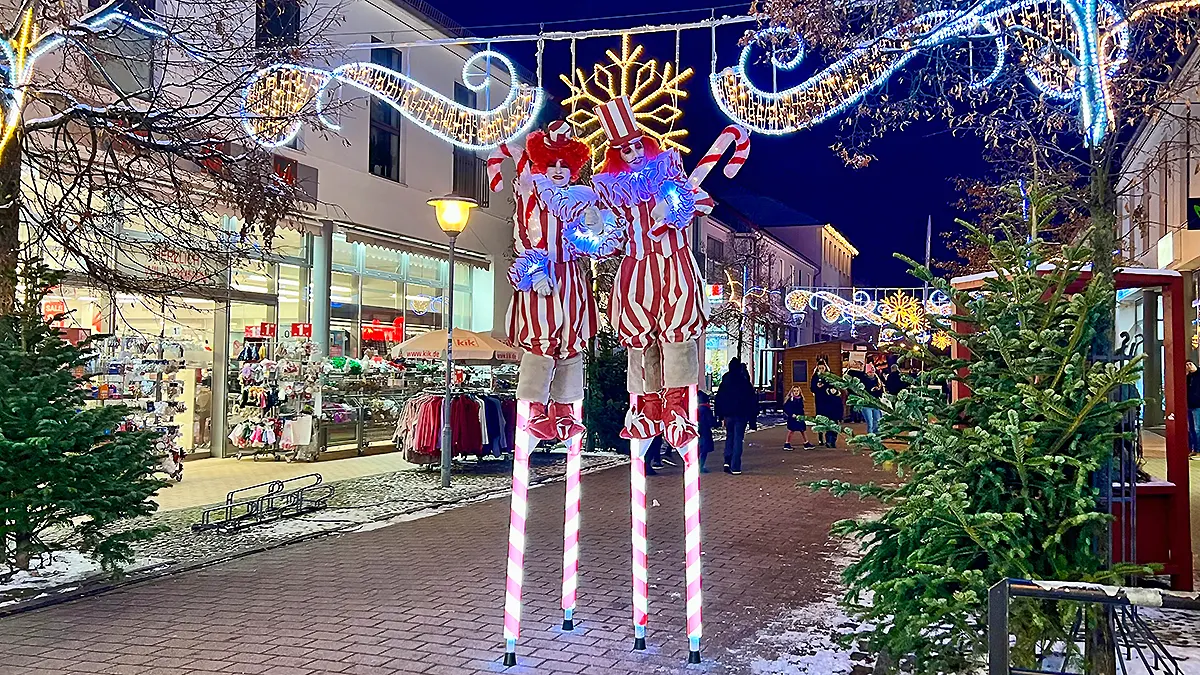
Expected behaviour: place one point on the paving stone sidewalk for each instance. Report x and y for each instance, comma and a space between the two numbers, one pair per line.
426, 596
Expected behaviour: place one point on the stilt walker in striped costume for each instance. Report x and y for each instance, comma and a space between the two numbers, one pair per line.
551, 317
659, 311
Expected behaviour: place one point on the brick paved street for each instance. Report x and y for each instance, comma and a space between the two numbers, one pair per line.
426, 596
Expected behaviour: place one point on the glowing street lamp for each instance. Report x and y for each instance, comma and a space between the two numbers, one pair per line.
452, 214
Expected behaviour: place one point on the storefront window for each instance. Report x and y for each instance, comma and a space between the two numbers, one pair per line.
422, 309
343, 312
254, 277
288, 243
377, 259
293, 296
344, 252
425, 269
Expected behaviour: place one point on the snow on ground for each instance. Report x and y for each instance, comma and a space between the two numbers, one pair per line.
62, 568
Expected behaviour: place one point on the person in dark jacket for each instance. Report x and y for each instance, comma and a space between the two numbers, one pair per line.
737, 405
793, 412
1193, 403
707, 422
828, 399
894, 384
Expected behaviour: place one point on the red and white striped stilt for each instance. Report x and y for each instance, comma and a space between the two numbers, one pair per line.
637, 493
691, 511
516, 536
570, 581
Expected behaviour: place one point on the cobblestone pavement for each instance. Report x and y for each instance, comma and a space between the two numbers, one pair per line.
425, 596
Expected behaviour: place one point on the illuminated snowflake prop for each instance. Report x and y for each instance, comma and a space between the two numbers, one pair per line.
654, 92
904, 311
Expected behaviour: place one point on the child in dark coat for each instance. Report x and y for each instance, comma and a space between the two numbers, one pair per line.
707, 422
793, 412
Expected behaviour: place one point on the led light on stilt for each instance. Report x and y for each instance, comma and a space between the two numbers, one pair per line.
637, 492
691, 510
570, 582
516, 536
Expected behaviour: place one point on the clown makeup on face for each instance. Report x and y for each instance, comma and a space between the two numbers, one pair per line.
634, 154
559, 174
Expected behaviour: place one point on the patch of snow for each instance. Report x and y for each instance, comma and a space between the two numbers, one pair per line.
63, 568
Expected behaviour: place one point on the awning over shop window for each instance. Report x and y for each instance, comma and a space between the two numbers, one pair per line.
411, 245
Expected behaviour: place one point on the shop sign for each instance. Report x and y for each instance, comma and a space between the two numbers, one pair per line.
301, 330
715, 291
253, 331
52, 308
266, 329
379, 332
164, 259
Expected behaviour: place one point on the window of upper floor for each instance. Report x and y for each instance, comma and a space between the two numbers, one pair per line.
125, 56
468, 177
384, 147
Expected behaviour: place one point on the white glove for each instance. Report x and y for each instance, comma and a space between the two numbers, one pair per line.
542, 286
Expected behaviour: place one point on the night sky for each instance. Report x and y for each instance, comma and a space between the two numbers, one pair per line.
881, 209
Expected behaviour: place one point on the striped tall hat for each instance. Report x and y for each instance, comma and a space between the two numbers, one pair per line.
617, 120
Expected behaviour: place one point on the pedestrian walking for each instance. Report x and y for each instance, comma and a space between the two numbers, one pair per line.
738, 407
894, 384
707, 421
793, 412
828, 400
873, 386
1193, 403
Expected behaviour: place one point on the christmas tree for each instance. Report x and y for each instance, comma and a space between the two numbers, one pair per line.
997, 483
607, 395
66, 475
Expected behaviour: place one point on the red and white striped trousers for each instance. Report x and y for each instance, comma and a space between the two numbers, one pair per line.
556, 325
658, 298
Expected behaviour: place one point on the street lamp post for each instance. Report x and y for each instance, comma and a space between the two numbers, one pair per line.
452, 213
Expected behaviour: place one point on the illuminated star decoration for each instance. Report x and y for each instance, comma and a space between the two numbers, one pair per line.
1073, 49
277, 94
654, 93
19, 54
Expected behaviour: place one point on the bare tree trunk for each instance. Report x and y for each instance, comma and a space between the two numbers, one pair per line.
10, 222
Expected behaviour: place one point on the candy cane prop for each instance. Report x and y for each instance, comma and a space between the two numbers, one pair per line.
516, 536
495, 161
691, 511
732, 134
570, 581
641, 582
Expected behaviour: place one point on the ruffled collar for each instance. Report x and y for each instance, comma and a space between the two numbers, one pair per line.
632, 187
567, 203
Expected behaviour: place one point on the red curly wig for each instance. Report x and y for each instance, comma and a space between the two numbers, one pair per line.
612, 156
574, 154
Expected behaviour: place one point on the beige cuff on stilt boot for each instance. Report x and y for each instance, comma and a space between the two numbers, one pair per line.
533, 385
567, 385
534, 378
681, 364
635, 373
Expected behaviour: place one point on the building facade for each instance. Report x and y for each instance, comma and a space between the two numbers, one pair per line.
362, 267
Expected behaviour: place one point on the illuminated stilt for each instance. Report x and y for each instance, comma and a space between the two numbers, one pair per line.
516, 536
637, 492
570, 581
691, 510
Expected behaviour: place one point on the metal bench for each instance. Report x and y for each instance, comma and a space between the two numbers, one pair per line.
265, 502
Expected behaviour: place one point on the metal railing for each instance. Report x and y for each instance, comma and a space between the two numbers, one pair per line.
1132, 634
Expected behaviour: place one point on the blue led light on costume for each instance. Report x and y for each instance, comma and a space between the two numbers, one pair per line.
277, 94
529, 268
1103, 39
681, 204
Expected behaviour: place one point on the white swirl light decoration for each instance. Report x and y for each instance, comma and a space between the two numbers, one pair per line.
277, 94
797, 301
1083, 75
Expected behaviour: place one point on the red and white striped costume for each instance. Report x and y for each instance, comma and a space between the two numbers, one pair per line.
560, 324
658, 293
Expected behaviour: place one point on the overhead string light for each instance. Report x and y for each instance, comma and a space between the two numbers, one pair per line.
277, 96
1075, 54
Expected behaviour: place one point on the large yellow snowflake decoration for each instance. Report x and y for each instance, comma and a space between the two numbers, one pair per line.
654, 94
941, 340
904, 311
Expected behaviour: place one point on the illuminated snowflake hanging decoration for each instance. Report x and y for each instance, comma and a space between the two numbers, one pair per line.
941, 340
654, 91
904, 311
